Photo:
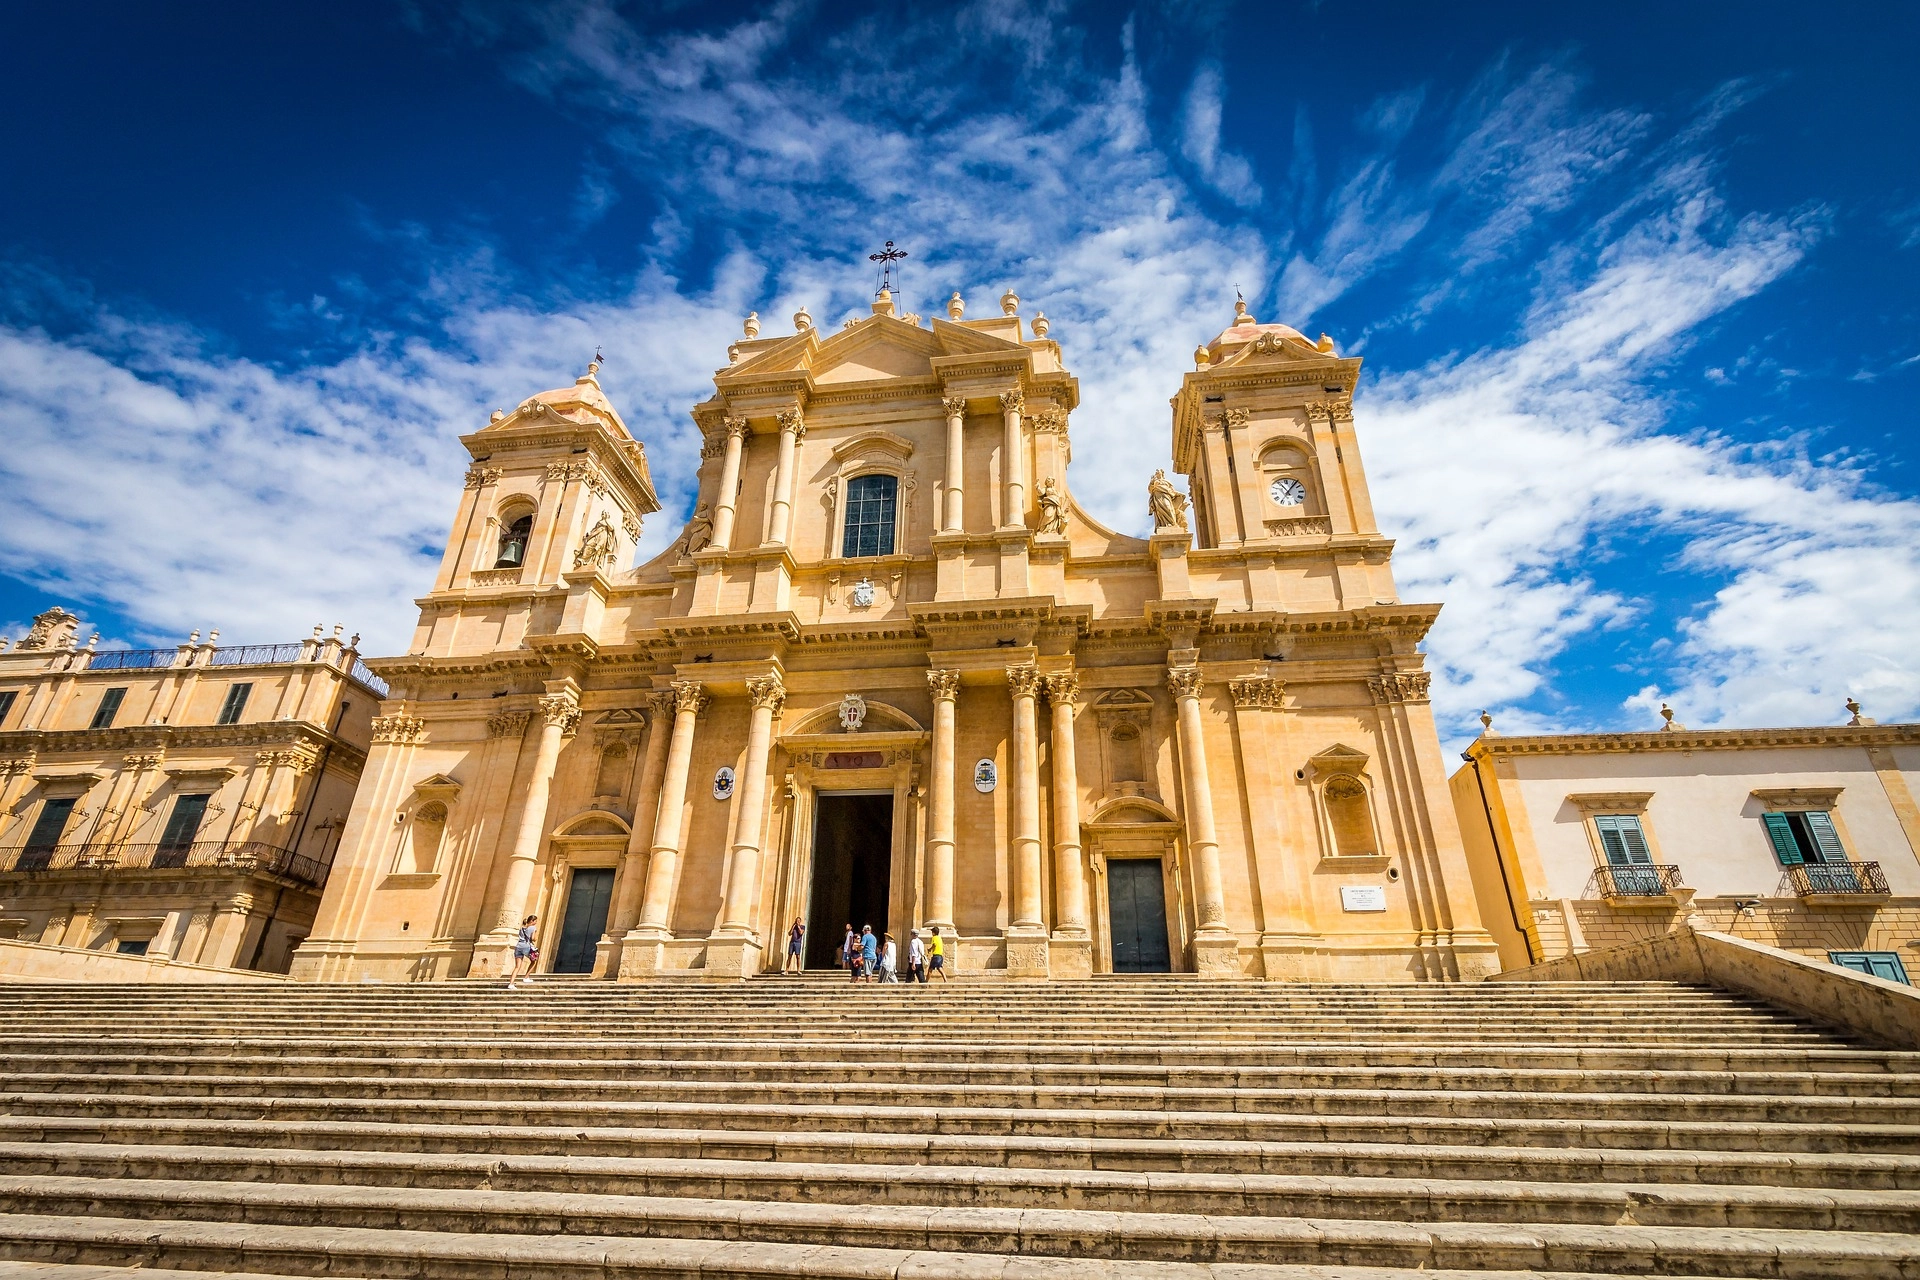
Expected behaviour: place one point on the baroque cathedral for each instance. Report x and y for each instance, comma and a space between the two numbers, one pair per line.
891, 673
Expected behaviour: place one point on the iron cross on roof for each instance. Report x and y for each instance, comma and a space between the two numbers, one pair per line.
886, 258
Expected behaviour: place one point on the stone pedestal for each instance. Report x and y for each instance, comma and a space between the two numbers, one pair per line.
731, 959
1027, 955
642, 955
1070, 958
1216, 955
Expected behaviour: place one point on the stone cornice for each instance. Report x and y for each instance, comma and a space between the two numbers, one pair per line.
162, 739
1494, 745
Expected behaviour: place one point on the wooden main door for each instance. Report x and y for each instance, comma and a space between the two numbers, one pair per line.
1137, 916
586, 920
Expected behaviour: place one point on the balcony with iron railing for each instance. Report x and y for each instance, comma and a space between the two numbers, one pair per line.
333, 653
1646, 883
1838, 881
210, 856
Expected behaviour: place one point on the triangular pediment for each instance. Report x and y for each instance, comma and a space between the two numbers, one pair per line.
875, 349
1276, 348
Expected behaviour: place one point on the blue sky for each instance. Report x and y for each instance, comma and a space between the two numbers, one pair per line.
1637, 290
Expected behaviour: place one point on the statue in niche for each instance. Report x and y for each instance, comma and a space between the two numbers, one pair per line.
1053, 509
598, 547
700, 528
1168, 504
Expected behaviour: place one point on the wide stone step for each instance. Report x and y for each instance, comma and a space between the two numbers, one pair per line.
903, 1089
1372, 1155
1773, 1083
878, 1224
188, 1250
1391, 1199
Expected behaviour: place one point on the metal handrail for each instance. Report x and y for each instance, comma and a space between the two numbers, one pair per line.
132, 659
1812, 879
253, 655
366, 677
222, 855
1636, 880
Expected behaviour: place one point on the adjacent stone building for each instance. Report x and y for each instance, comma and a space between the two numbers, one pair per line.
891, 673
181, 802
1806, 839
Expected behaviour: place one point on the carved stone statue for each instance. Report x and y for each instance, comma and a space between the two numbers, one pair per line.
700, 528
1053, 508
1168, 504
598, 547
52, 630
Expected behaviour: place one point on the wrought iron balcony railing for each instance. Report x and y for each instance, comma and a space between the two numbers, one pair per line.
189, 655
1815, 879
215, 855
1637, 880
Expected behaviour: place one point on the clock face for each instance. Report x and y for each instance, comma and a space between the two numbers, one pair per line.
1288, 492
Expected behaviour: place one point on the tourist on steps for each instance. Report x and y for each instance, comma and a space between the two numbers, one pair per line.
847, 949
869, 951
916, 958
937, 955
889, 961
523, 952
796, 937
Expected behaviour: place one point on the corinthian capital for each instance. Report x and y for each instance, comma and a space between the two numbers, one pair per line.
767, 693
689, 696
1063, 688
559, 709
945, 685
956, 406
793, 420
735, 428
1184, 682
1024, 680
1400, 686
507, 724
1012, 401
1256, 693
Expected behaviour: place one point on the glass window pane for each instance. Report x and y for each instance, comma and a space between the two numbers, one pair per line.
870, 516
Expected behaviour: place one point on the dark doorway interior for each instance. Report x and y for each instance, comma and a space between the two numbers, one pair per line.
586, 920
1137, 911
852, 860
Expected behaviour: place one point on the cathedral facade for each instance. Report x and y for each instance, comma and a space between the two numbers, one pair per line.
890, 673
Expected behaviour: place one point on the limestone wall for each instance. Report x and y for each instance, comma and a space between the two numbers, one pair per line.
38, 962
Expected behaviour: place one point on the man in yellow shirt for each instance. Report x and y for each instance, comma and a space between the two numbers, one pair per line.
936, 956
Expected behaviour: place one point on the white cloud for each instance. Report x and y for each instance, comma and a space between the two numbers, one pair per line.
1225, 171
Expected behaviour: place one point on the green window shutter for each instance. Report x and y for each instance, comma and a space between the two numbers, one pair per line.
1622, 838
1780, 832
1825, 837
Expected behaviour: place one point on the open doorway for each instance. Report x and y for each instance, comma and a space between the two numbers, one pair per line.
852, 867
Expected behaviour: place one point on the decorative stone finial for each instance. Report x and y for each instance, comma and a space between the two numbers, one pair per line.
1200, 357
318, 627
1486, 721
955, 307
1240, 313
354, 641
1041, 325
802, 321
1854, 707
213, 636
1671, 725
1009, 303
752, 325
93, 641
1325, 344
193, 637
338, 627
497, 415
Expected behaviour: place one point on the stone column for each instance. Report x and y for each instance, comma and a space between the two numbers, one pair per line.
956, 407
642, 952
736, 429
734, 949
1072, 951
1013, 461
1027, 934
557, 712
1216, 952
626, 911
946, 692
793, 429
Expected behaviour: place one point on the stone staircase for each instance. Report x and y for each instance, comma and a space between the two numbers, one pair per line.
1137, 1127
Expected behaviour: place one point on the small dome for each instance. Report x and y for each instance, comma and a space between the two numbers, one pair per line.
582, 402
1239, 335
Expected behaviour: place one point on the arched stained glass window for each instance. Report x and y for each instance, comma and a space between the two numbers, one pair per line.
870, 516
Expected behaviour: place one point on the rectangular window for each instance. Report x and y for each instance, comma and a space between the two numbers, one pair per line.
183, 824
870, 516
128, 947
1881, 964
109, 708
1625, 843
50, 825
235, 704
6, 705
1804, 837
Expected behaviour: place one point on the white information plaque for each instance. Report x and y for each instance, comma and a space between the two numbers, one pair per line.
1363, 897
